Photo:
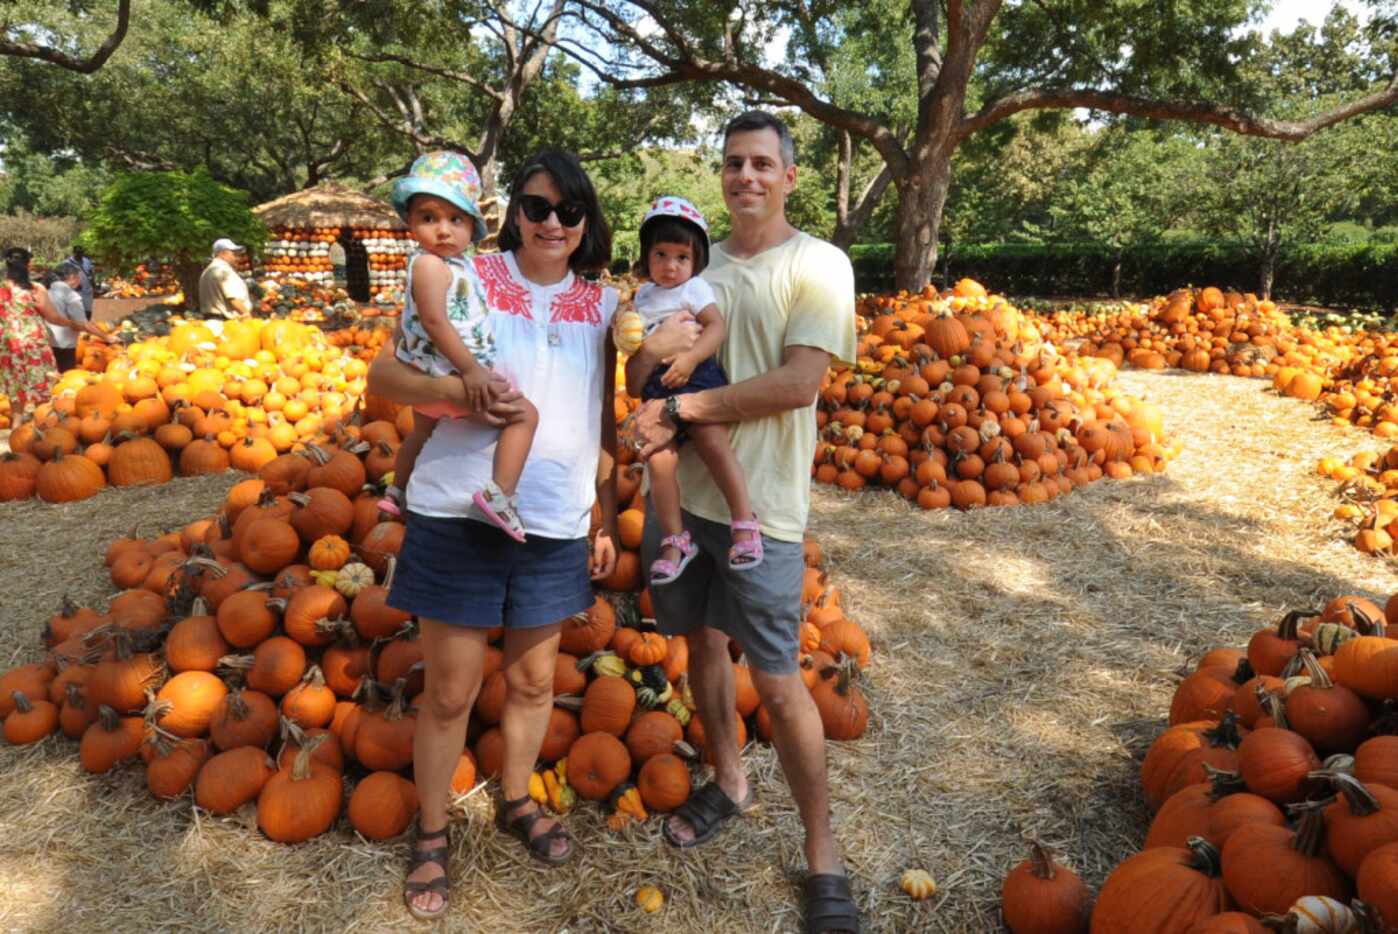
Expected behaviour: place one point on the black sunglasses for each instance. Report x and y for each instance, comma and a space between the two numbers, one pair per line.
537, 209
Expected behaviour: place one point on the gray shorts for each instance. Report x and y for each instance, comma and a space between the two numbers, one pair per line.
760, 609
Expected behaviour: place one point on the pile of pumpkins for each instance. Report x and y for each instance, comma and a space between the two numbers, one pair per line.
146, 280
1203, 330
303, 252
1348, 371
1368, 485
264, 629
956, 400
1274, 789
190, 404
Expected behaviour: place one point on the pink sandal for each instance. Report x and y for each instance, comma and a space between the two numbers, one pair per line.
746, 554
391, 502
665, 571
499, 509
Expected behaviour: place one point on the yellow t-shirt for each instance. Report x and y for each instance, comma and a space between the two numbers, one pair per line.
800, 293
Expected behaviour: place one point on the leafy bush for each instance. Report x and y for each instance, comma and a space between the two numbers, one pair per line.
1361, 275
48, 238
174, 215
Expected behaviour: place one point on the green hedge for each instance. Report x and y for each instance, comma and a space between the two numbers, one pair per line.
1343, 275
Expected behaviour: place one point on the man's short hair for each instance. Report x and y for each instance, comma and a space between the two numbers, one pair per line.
752, 120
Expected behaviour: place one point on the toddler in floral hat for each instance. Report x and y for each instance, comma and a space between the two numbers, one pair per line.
445, 329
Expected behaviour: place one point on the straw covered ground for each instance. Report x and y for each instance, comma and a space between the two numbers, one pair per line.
1024, 659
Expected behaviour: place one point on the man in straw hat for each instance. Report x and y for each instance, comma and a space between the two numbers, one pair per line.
222, 292
789, 302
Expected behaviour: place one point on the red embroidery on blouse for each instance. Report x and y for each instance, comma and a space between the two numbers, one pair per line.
502, 291
580, 304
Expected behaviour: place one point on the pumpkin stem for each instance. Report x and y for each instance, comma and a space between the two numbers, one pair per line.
74, 696
1310, 833
1040, 862
67, 608
1272, 704
1223, 782
399, 703
109, 718
1366, 624
392, 565
301, 765
1226, 733
314, 677
21, 702
236, 662
1286, 626
573, 702
1204, 857
291, 732
1361, 801
1319, 679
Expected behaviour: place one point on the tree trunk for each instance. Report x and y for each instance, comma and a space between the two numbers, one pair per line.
1116, 275
1270, 248
187, 274
922, 195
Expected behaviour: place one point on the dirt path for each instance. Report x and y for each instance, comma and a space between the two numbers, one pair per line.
1023, 660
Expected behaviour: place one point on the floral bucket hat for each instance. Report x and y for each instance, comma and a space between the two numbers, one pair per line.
448, 175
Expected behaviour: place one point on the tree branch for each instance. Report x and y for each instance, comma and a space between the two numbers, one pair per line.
459, 76
64, 60
685, 66
925, 43
1220, 115
405, 126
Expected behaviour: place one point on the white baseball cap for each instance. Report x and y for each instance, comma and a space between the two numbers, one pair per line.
223, 243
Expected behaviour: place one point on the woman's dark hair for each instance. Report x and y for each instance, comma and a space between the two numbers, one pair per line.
17, 265
671, 230
595, 251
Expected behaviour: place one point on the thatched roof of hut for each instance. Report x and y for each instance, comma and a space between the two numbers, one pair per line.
328, 205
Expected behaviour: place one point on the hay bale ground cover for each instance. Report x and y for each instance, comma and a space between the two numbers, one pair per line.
1023, 660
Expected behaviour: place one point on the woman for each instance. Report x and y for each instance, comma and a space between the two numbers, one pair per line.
26, 362
462, 576
65, 294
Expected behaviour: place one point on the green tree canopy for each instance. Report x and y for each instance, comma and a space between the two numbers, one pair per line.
175, 215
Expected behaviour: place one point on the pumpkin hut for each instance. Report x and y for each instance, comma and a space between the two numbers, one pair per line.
302, 226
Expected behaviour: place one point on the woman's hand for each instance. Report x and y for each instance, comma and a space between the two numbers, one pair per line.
674, 336
603, 561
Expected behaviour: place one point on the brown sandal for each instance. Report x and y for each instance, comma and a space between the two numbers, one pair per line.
520, 825
417, 858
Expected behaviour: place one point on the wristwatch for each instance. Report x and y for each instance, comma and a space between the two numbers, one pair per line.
672, 412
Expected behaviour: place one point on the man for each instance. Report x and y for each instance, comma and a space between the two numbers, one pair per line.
789, 302
337, 262
66, 296
222, 292
88, 275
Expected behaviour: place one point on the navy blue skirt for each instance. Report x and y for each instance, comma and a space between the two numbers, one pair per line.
707, 375
469, 573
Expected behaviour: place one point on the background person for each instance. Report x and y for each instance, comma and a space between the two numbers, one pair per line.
66, 296
88, 283
222, 291
26, 360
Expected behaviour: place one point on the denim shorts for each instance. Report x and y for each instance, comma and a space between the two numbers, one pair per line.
759, 608
468, 573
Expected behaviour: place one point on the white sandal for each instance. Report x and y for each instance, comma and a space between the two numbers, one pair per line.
499, 509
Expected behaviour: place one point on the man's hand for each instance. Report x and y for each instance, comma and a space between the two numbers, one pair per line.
504, 405
675, 335
603, 561
479, 392
652, 429
680, 371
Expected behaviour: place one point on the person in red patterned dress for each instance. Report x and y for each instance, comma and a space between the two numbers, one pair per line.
27, 366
